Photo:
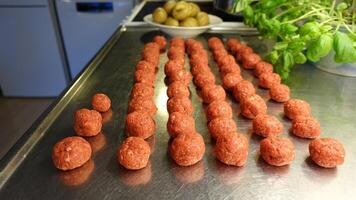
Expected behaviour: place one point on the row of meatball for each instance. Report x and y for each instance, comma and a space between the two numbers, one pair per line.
231, 147
134, 152
187, 147
299, 111
73, 152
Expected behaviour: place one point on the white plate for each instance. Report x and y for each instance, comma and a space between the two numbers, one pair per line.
184, 32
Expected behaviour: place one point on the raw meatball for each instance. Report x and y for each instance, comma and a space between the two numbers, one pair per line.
327, 152
182, 76
279, 93
142, 90
205, 79
187, 149
253, 106
306, 127
197, 61
70, 153
230, 80
180, 104
134, 153
231, 43
244, 49
243, 90
263, 67
215, 43
267, 126
171, 67
140, 124
219, 53
277, 151
142, 105
178, 89
161, 41
152, 46
176, 53
87, 122
142, 76
199, 69
201, 55
226, 60
267, 80
101, 102
236, 48
220, 126
218, 109
151, 57
177, 42
212, 93
230, 68
249, 61
296, 107
179, 123
232, 149
146, 66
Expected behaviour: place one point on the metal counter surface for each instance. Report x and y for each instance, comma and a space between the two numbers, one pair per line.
333, 101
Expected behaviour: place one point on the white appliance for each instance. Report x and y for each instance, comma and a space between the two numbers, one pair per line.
86, 25
31, 58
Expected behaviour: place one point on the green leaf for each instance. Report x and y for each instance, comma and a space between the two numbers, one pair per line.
288, 61
341, 6
344, 50
320, 47
288, 28
296, 46
240, 5
310, 29
272, 57
280, 45
300, 58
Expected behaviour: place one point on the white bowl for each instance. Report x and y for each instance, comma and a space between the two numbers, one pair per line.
184, 32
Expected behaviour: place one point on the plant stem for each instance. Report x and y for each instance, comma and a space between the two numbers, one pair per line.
306, 15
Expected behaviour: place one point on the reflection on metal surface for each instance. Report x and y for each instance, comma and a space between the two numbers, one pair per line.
152, 142
97, 142
189, 174
106, 116
161, 101
229, 175
136, 177
79, 175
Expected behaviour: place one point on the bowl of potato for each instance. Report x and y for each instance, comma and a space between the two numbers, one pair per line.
181, 19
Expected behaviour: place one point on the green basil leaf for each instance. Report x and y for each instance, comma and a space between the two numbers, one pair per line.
344, 50
272, 57
320, 47
240, 5
341, 6
300, 58
280, 45
310, 29
288, 61
288, 28
296, 46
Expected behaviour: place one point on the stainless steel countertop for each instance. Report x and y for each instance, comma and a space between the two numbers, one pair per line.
33, 176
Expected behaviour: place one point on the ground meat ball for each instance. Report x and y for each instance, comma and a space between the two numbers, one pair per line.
205, 79
142, 90
306, 127
267, 126
279, 93
197, 61
172, 66
231, 43
226, 60
296, 107
267, 80
262, 67
183, 76
152, 46
232, 149
220, 126
70, 153
199, 69
150, 57
218, 109
230, 68
161, 41
176, 53
180, 104
101, 102
277, 151
87, 122
179, 123
253, 106
144, 77
178, 89
236, 48
212, 93
194, 47
140, 124
230, 80
215, 43
177, 42
146, 66
187, 149
250, 60
244, 49
327, 152
219, 53
134, 153
142, 105
200, 54
243, 90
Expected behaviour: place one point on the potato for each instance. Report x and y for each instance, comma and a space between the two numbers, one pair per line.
189, 22
159, 15
169, 5
181, 10
203, 18
194, 9
171, 22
